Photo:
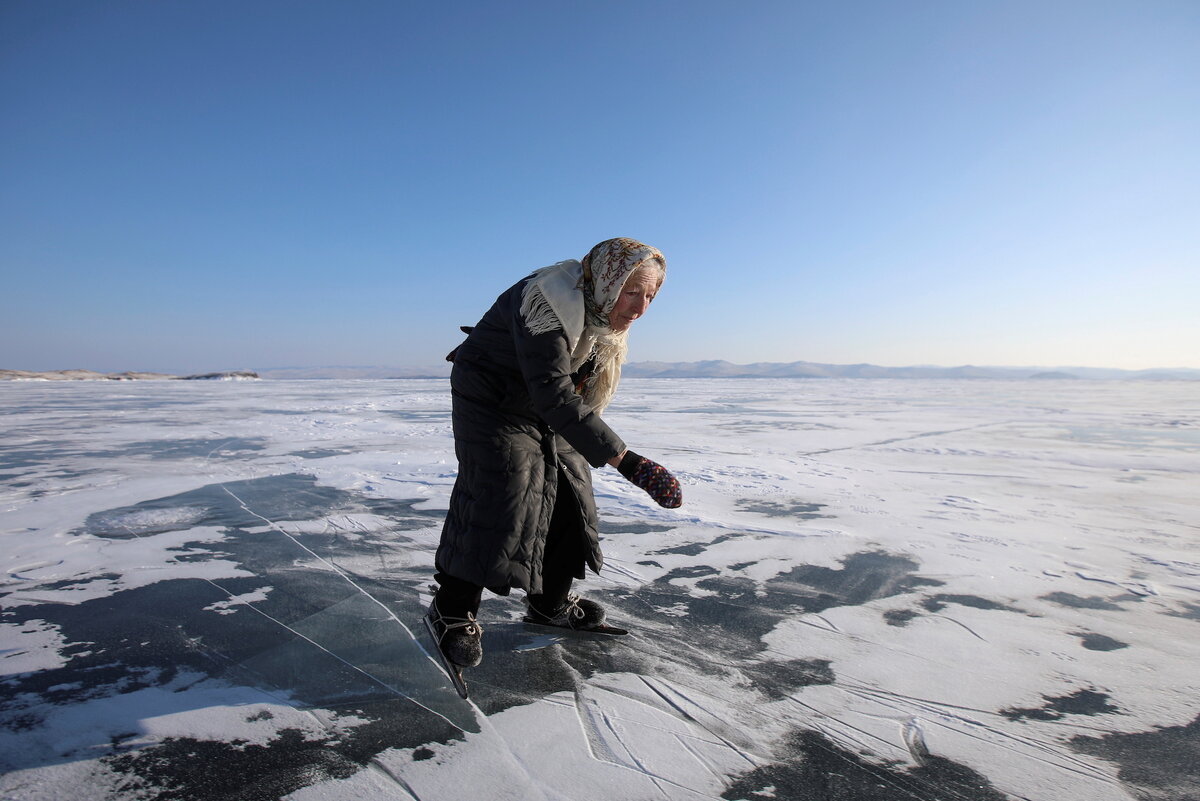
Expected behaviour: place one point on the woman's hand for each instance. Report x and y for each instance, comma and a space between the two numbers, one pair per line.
652, 477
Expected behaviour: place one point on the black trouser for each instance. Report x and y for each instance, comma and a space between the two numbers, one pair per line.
562, 562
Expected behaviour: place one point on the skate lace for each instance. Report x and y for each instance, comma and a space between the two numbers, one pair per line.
569, 612
573, 609
468, 624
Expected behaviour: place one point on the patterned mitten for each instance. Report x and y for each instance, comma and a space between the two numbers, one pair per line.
653, 478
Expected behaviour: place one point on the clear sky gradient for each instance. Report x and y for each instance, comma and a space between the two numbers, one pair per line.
192, 185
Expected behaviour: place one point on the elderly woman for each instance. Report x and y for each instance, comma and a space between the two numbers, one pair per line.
528, 386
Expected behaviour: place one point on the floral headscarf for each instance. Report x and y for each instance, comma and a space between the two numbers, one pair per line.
606, 268
577, 298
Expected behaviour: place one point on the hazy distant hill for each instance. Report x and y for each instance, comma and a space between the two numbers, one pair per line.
92, 375
353, 372
724, 369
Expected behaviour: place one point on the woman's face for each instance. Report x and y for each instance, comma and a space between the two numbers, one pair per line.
635, 297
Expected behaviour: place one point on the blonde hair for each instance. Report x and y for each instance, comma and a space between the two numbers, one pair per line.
651, 265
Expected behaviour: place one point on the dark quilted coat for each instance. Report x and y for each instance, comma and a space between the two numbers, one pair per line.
517, 422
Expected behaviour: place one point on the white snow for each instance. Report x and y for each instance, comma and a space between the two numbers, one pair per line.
1052, 526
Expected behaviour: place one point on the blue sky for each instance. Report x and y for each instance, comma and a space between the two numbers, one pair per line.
196, 185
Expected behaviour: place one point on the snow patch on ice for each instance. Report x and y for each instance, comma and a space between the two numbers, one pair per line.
93, 567
229, 606
29, 646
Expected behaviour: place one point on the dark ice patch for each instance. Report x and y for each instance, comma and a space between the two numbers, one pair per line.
796, 509
863, 577
899, 617
1099, 642
25, 457
155, 635
321, 453
150, 635
730, 620
1190, 611
781, 679
734, 612
45, 452
694, 548
46, 458
227, 448
187, 769
249, 504
318, 642
278, 498
814, 768
1091, 602
631, 527
1080, 702
936, 603
693, 571
127, 641
1160, 764
42, 453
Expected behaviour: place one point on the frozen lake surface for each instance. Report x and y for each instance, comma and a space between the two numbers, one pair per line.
874, 590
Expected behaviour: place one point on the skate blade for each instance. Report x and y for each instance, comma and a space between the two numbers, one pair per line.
452, 670
605, 629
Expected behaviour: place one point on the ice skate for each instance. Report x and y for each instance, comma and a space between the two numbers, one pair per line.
459, 644
575, 613
459, 638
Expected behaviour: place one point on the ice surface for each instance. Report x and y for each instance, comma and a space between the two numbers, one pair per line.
875, 590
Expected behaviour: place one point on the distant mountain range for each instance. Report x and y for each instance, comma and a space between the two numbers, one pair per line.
724, 369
